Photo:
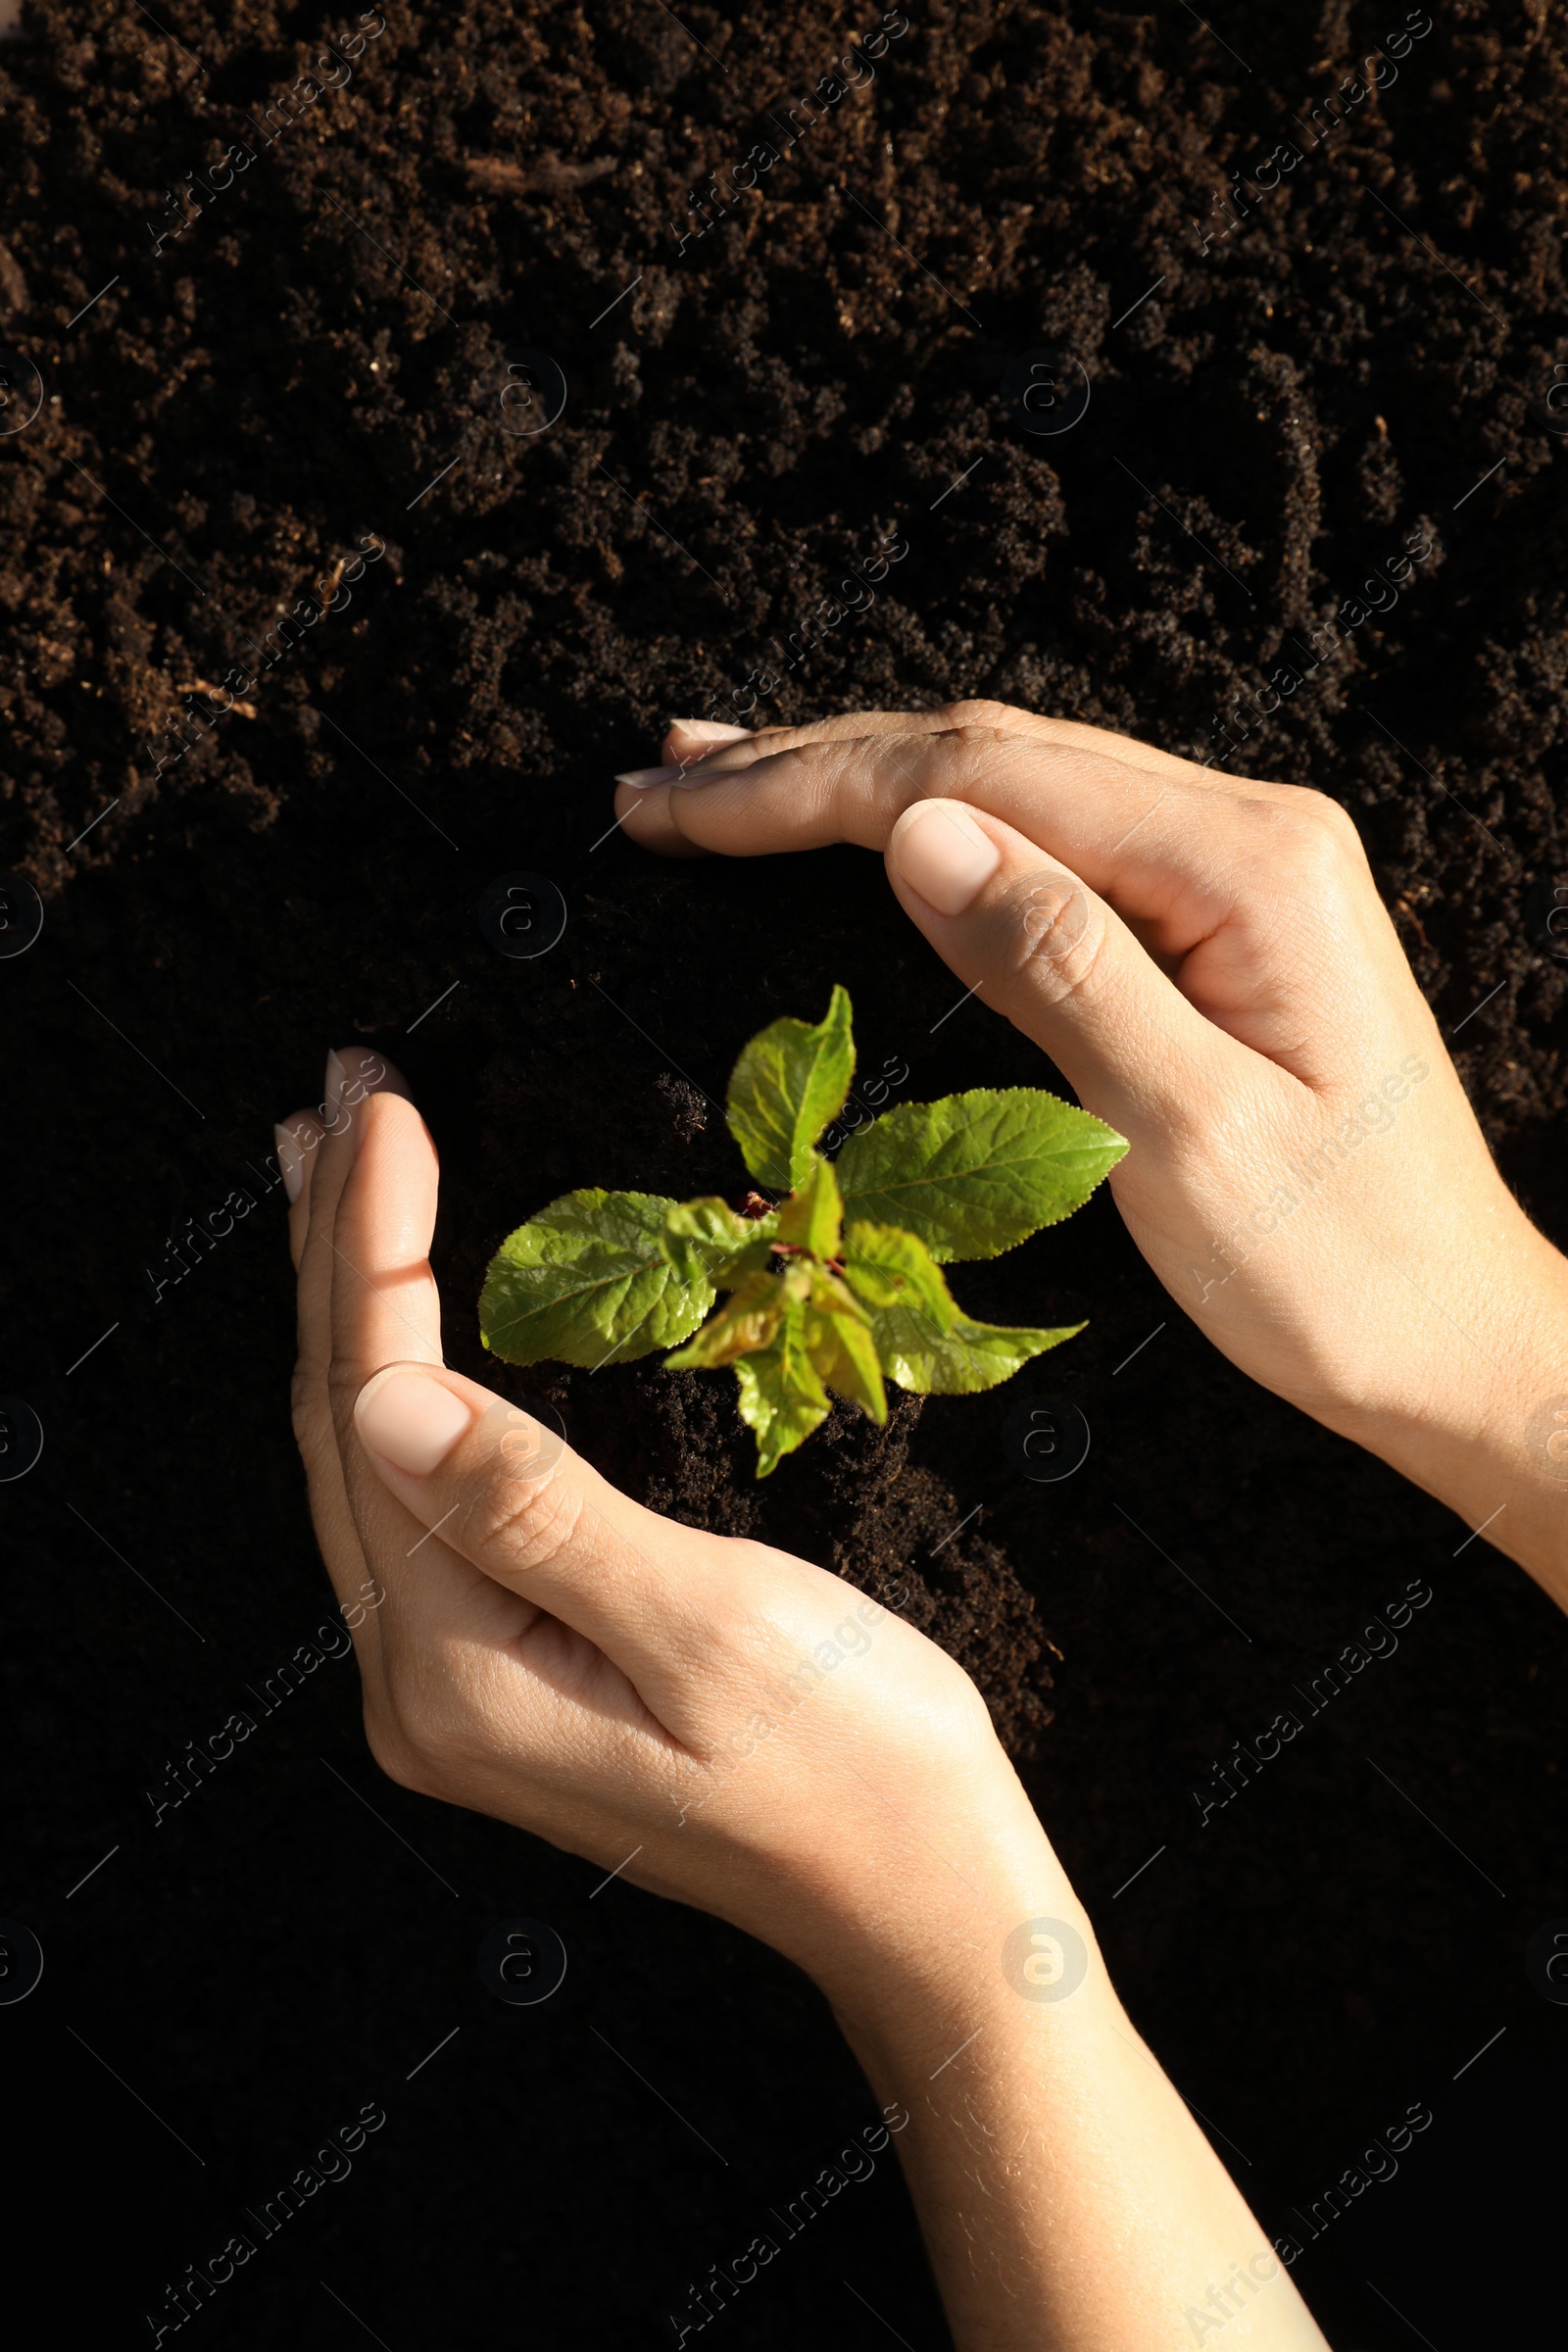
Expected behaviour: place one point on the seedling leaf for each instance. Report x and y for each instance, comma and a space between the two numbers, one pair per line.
839, 1336
975, 1174
812, 1217
789, 1083
885, 1267
746, 1322
708, 1241
782, 1397
969, 1357
586, 1279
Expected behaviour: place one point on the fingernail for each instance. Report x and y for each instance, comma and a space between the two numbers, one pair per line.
290, 1162
705, 770
941, 853
357, 1071
411, 1421
710, 731
642, 777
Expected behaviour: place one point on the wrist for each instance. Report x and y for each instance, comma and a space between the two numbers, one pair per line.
921, 2028
987, 1933
1481, 1422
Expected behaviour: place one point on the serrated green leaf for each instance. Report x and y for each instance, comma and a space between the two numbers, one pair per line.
782, 1397
585, 1279
788, 1084
978, 1173
708, 1241
958, 1362
885, 1267
746, 1322
812, 1217
841, 1344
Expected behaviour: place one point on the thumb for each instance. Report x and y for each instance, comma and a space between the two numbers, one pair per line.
501, 1490
1038, 945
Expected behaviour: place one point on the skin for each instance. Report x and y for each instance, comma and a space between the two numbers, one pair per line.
1208, 965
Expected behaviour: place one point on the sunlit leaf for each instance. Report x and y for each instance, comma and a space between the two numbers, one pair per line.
885, 1267
813, 1216
746, 1321
708, 1241
782, 1397
958, 1362
586, 1280
842, 1347
978, 1173
788, 1084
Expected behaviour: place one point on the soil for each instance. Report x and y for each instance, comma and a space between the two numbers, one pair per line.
1283, 396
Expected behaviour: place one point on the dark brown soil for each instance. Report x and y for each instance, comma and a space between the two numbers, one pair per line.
316, 367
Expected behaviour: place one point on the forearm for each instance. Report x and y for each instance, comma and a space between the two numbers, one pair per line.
1068, 2200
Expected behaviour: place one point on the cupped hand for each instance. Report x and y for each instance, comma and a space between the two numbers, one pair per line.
710, 1718
737, 1728
1208, 961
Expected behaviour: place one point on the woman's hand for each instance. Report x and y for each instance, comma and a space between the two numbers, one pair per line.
1208, 961
737, 1728
718, 1721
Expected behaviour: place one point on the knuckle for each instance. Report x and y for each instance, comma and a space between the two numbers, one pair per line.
397, 1752
425, 1727
1053, 932
971, 736
984, 717
528, 1522
1327, 818
737, 1612
966, 1719
1312, 833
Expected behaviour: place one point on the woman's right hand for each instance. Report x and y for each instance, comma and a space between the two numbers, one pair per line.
1209, 963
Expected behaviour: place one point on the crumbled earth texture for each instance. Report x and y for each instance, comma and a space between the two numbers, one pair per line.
335, 376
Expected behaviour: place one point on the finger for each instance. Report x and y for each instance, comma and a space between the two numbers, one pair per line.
642, 794
1038, 945
295, 1141
501, 1490
1194, 866
1119, 826
696, 751
1255, 896
642, 811
690, 739
386, 1308
351, 1077
693, 740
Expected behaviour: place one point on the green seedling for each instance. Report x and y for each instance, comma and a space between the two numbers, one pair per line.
832, 1278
